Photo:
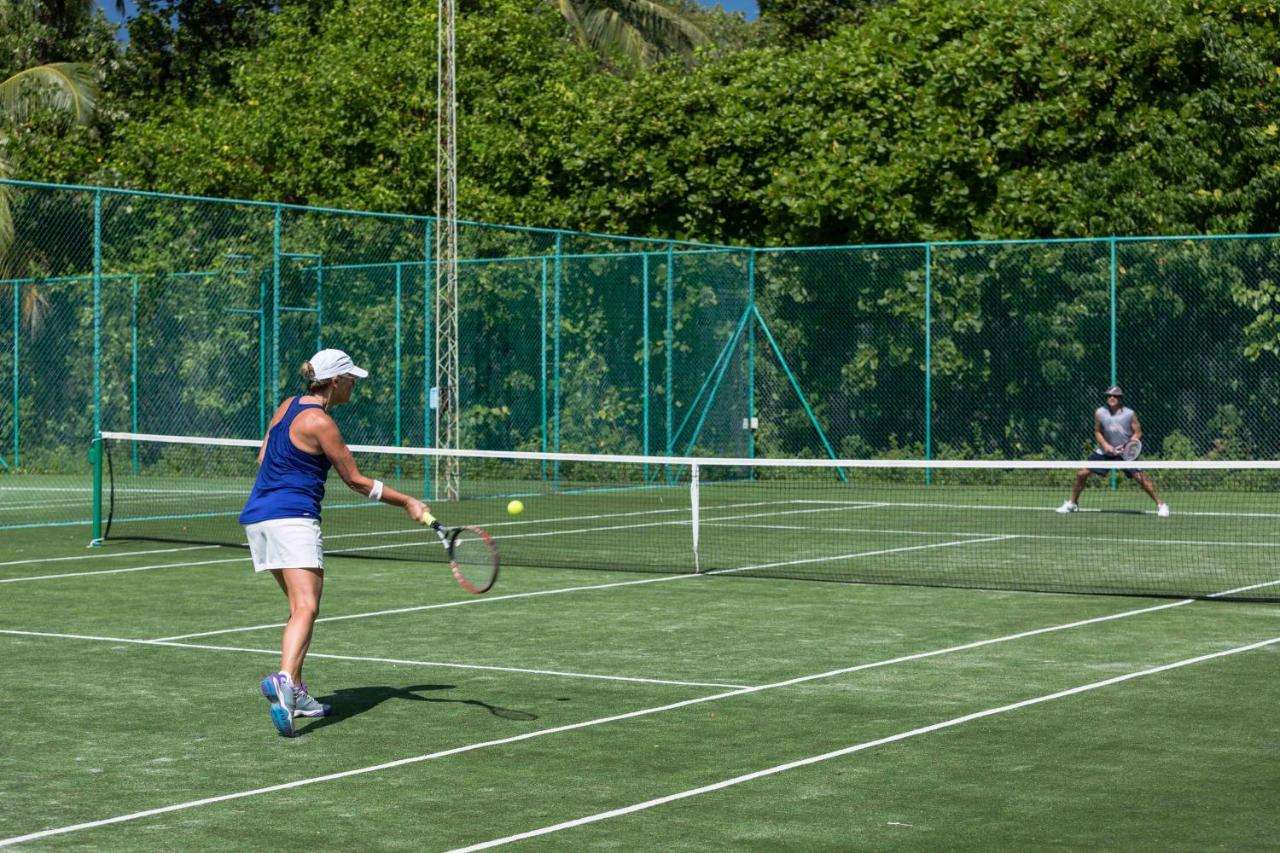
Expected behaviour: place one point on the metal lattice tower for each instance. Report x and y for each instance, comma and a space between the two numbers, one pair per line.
446, 251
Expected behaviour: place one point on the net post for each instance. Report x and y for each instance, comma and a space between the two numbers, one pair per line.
95, 458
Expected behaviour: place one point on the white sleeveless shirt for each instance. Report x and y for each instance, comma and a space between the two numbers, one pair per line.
1117, 428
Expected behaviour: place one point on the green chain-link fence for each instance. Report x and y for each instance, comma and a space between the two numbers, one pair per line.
150, 313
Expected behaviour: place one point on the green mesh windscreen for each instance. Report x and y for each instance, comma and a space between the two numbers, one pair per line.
141, 312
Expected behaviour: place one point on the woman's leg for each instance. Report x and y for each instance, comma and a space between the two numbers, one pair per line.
303, 587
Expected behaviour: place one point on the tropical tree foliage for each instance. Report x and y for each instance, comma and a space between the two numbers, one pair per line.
928, 119
807, 20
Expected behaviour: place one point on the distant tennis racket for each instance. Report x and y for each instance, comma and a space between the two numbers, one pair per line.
473, 556
1131, 450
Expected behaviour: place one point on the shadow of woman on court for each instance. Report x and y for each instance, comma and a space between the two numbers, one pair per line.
350, 702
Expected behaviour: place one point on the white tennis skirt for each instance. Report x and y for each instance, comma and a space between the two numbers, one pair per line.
286, 543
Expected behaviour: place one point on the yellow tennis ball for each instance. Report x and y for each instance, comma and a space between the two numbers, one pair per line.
515, 507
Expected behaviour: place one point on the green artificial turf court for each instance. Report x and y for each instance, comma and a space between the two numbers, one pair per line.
649, 710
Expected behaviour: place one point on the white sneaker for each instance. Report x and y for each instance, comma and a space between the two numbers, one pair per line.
1162, 510
1070, 506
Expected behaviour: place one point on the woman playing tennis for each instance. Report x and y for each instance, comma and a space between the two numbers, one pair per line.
282, 516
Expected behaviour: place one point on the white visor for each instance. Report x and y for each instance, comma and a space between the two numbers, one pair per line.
329, 363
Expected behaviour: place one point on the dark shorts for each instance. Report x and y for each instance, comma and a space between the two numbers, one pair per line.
1096, 456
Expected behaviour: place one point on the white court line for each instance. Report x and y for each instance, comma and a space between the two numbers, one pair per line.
1241, 589
492, 525
862, 554
366, 659
1056, 536
515, 595
243, 559
472, 599
932, 505
78, 489
44, 505
339, 552
101, 555
849, 750
677, 522
496, 523
401, 762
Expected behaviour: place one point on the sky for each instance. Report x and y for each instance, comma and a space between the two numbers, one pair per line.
108, 8
746, 7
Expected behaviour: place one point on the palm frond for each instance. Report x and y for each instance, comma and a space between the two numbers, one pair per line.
664, 26
6, 212
642, 31
67, 86
610, 34
34, 309
569, 11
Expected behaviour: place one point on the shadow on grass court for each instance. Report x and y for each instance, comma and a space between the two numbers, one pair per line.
351, 702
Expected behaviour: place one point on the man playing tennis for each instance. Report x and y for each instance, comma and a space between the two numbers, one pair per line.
1114, 426
282, 516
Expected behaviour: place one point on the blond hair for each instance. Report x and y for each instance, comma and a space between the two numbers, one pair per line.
308, 374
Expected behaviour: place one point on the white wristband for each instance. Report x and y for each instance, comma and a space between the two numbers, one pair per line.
375, 493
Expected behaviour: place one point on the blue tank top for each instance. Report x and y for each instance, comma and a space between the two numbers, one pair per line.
290, 483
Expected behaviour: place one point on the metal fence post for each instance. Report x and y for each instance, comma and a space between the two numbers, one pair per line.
17, 398
542, 355
644, 362
559, 273
928, 359
397, 390
751, 362
275, 310
97, 312
427, 372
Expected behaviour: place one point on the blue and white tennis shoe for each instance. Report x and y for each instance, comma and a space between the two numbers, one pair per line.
278, 689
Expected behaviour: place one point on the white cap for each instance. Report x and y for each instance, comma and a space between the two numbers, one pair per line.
329, 363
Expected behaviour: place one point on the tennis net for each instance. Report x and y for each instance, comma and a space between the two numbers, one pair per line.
981, 524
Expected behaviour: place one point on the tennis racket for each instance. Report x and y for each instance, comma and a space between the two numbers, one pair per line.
473, 556
1132, 449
